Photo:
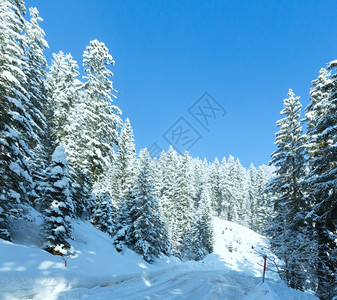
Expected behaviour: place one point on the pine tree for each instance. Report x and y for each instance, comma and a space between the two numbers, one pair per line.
225, 187
124, 167
199, 173
64, 87
100, 118
103, 215
215, 188
123, 221
286, 230
230, 190
241, 192
319, 93
252, 195
15, 125
181, 203
66, 100
198, 240
57, 227
168, 164
263, 211
122, 183
147, 234
83, 198
35, 70
38, 104
205, 220
157, 177
321, 180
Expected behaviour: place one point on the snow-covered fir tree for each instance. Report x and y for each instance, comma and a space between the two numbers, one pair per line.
319, 93
122, 182
204, 214
103, 214
225, 188
57, 227
67, 103
83, 198
230, 190
100, 119
263, 207
66, 100
123, 176
182, 203
39, 105
286, 231
168, 164
64, 88
321, 180
15, 125
157, 177
199, 172
147, 234
252, 195
198, 241
35, 70
215, 188
241, 192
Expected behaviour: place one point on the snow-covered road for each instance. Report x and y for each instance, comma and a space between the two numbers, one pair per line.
188, 284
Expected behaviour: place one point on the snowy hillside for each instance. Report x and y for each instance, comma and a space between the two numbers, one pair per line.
97, 271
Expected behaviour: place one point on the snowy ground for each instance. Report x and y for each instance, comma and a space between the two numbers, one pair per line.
97, 271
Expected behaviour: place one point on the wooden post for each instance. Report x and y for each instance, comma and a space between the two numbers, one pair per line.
264, 268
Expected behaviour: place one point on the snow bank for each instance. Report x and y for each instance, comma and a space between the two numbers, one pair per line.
27, 271
271, 291
240, 249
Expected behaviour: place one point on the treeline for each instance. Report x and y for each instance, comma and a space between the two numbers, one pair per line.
189, 193
303, 232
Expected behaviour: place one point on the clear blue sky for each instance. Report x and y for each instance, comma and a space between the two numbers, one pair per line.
246, 54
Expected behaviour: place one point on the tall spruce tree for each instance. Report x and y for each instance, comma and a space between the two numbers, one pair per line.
15, 125
168, 164
182, 203
252, 195
39, 105
67, 102
286, 230
263, 204
103, 214
37, 93
215, 188
122, 183
199, 173
322, 178
147, 234
198, 240
241, 192
64, 88
230, 189
124, 168
100, 120
225, 187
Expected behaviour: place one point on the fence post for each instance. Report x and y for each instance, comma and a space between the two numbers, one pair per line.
264, 268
